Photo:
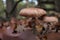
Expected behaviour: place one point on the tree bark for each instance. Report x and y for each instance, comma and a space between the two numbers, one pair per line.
39, 3
27, 2
57, 3
11, 8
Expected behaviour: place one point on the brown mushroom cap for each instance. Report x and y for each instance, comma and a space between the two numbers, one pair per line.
50, 19
32, 12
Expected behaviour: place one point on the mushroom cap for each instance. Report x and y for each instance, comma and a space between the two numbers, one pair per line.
32, 12
50, 19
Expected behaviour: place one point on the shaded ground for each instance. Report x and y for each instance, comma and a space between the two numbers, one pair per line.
28, 35
53, 36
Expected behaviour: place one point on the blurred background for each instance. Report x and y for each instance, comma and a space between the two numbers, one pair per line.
10, 19
10, 8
